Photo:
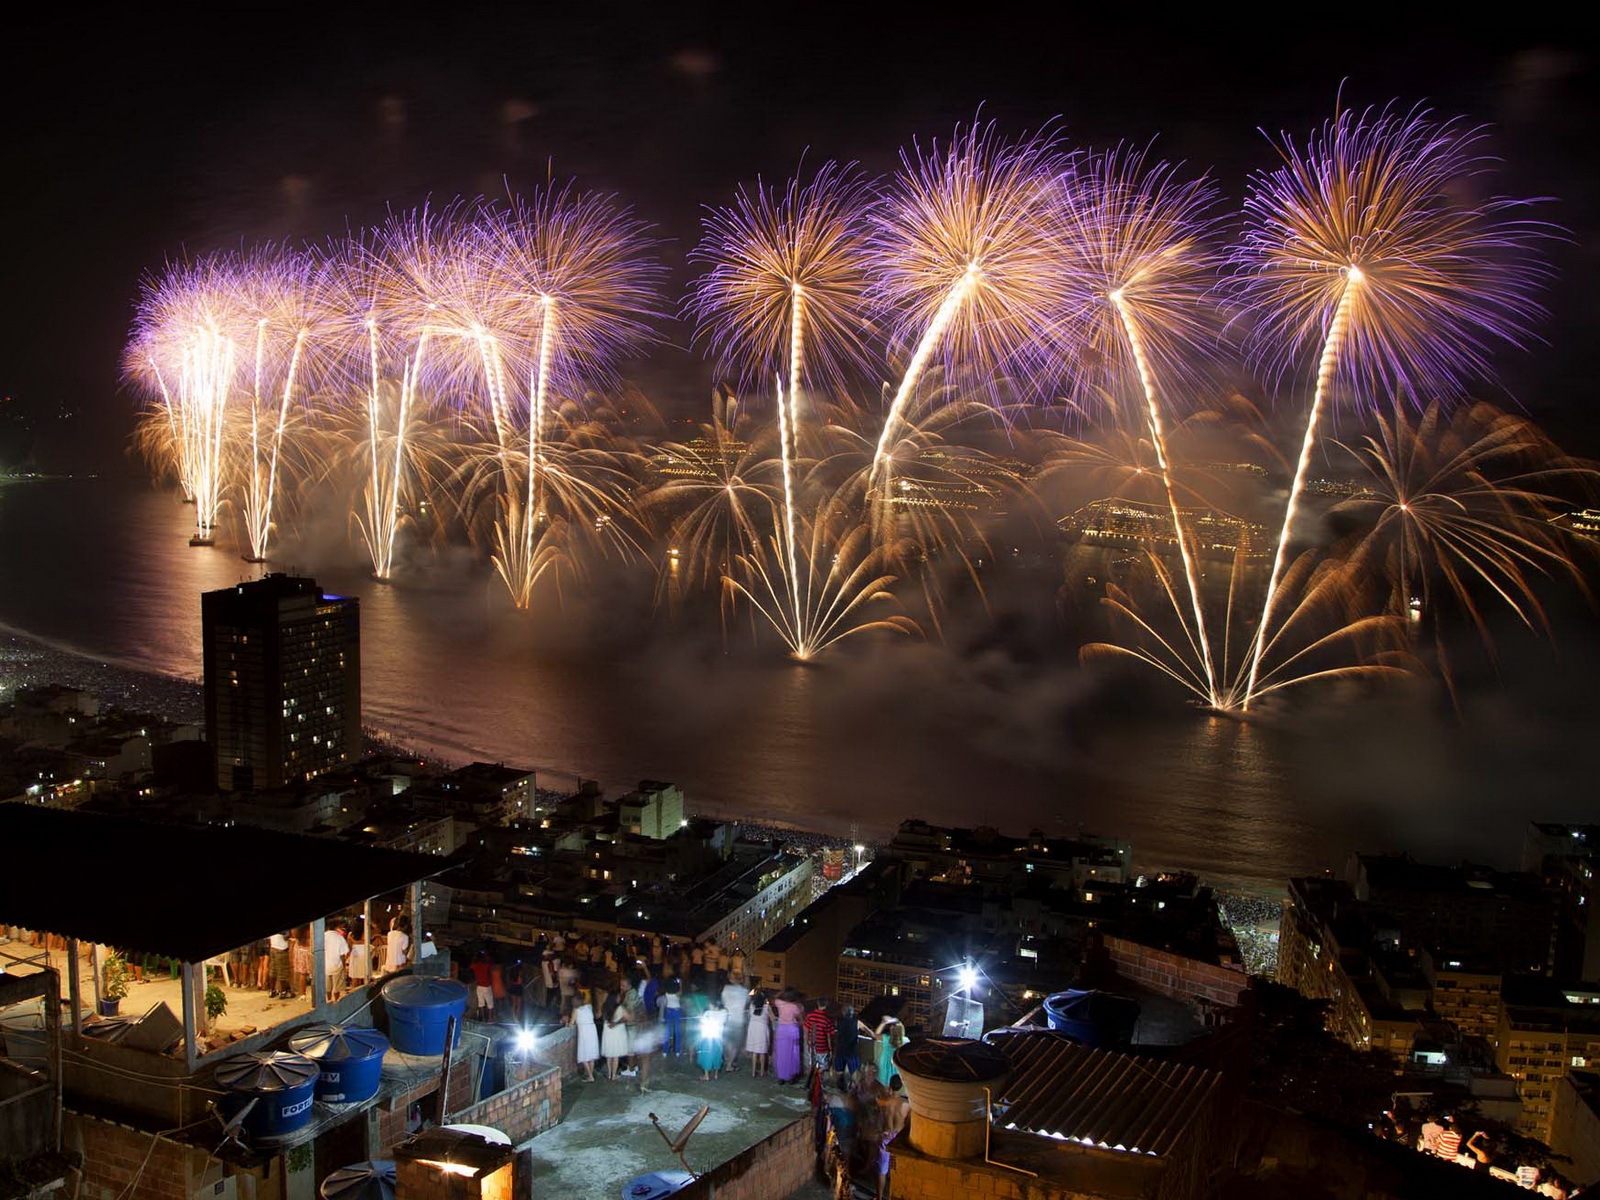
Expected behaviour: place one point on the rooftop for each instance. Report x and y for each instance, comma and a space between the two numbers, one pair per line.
605, 1137
1063, 1090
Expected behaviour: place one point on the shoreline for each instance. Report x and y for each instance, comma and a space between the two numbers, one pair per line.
27, 660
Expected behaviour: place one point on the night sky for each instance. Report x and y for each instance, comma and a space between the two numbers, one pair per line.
135, 139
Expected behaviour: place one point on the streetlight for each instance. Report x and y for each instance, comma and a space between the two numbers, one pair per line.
860, 850
967, 976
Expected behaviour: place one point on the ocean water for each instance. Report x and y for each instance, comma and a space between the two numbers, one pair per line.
97, 578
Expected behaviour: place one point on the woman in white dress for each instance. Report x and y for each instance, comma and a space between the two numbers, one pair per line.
614, 1045
588, 1039
758, 1034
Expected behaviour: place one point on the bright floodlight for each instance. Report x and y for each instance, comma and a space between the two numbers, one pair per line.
968, 977
526, 1041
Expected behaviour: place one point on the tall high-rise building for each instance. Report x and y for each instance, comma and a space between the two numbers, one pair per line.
282, 681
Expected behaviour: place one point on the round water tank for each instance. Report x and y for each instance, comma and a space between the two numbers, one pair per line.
281, 1084
364, 1181
1097, 1019
420, 1008
949, 1083
351, 1060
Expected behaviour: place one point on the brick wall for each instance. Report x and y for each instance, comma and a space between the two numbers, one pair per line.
1044, 1169
560, 1050
525, 1108
917, 1178
387, 1121
114, 1154
1173, 975
775, 1167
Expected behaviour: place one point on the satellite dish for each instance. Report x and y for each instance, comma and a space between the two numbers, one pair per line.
233, 1125
677, 1142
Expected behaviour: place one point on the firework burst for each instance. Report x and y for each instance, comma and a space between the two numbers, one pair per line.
965, 264
1362, 247
784, 290
720, 487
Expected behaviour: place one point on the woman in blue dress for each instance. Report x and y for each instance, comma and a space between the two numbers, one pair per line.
708, 1051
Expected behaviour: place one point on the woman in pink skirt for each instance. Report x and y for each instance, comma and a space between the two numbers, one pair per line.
787, 1011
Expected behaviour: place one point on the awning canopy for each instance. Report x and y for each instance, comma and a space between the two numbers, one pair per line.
185, 892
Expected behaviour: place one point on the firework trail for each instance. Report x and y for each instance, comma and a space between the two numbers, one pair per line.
786, 271
567, 286
386, 289
966, 265
278, 295
1134, 233
184, 349
1360, 245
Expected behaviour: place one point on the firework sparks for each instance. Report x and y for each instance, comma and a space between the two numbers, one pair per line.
845, 571
1314, 640
279, 296
1360, 244
1460, 505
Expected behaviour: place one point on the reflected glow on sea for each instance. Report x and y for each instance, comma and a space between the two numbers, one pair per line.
97, 576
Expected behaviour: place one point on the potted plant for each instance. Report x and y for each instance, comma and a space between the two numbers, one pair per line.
114, 978
216, 1003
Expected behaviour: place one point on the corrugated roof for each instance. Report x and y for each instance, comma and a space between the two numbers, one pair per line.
188, 892
1061, 1089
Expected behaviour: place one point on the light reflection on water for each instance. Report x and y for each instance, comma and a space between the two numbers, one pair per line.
875, 734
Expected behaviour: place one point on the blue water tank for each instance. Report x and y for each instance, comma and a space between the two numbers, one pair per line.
655, 1185
281, 1084
351, 1060
419, 1011
364, 1181
1102, 1020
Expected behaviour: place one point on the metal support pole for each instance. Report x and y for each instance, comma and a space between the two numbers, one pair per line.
74, 986
319, 963
444, 1071
415, 891
191, 1014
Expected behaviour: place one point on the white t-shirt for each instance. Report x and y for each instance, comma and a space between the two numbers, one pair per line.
277, 942
399, 943
334, 948
428, 949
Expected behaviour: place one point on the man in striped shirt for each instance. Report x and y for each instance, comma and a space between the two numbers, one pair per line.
817, 1031
1448, 1144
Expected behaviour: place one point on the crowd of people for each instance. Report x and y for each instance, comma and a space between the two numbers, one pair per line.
1448, 1136
643, 1006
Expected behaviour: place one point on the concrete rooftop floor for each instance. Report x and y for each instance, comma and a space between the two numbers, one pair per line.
605, 1137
